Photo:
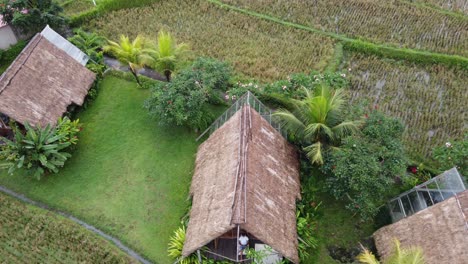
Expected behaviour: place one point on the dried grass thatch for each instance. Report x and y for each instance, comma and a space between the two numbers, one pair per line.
41, 83
246, 174
440, 230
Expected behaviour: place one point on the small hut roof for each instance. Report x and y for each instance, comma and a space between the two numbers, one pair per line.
41, 83
246, 173
440, 230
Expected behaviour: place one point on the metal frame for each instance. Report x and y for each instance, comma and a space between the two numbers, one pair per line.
444, 177
247, 99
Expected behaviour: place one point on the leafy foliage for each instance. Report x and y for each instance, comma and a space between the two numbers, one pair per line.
176, 244
362, 171
317, 121
89, 43
453, 154
134, 53
168, 55
40, 150
399, 256
9, 55
31, 16
183, 101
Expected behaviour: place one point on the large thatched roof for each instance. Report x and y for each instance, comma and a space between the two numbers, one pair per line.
246, 173
41, 83
440, 230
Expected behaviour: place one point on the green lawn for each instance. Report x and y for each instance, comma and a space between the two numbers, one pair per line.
32, 235
128, 176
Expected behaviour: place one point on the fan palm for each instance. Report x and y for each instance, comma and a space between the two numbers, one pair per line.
133, 53
399, 256
317, 121
168, 54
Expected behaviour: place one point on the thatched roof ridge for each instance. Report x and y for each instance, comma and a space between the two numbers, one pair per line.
440, 230
246, 173
41, 83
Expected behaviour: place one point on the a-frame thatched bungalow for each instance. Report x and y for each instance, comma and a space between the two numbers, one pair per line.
246, 180
47, 77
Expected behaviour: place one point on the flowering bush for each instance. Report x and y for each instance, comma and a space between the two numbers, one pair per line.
453, 154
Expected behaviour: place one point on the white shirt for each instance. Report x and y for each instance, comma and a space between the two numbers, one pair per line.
243, 240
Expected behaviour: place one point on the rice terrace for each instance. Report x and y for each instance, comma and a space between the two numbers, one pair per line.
233, 131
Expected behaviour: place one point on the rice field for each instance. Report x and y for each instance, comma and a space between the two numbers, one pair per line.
392, 22
33, 235
460, 6
431, 100
255, 48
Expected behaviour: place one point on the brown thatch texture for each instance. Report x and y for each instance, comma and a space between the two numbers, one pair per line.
246, 173
440, 230
41, 83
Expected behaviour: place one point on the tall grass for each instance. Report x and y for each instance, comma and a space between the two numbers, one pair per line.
391, 22
431, 100
452, 5
255, 47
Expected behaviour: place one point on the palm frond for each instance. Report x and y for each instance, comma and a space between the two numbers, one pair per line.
314, 153
290, 122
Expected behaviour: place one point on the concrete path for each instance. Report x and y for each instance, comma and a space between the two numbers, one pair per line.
150, 73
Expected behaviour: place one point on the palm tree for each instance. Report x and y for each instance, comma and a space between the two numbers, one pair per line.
399, 256
133, 53
89, 43
317, 121
168, 54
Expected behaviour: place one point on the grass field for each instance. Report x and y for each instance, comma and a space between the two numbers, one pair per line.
32, 235
256, 48
431, 100
128, 176
391, 22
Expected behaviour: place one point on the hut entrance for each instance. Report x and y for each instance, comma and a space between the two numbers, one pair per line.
227, 247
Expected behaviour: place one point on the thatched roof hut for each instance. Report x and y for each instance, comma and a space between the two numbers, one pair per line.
42, 82
246, 175
440, 230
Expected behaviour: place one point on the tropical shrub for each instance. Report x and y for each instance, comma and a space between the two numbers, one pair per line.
134, 53
317, 122
69, 130
399, 256
453, 154
305, 232
32, 16
176, 244
184, 100
362, 171
168, 55
89, 43
38, 151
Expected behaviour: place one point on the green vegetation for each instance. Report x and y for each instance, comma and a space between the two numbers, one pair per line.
399, 256
390, 22
89, 43
32, 235
168, 55
428, 99
453, 154
40, 150
128, 176
134, 53
184, 100
317, 121
176, 245
38, 15
9, 55
363, 170
254, 47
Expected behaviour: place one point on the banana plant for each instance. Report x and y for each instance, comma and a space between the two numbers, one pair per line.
39, 150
